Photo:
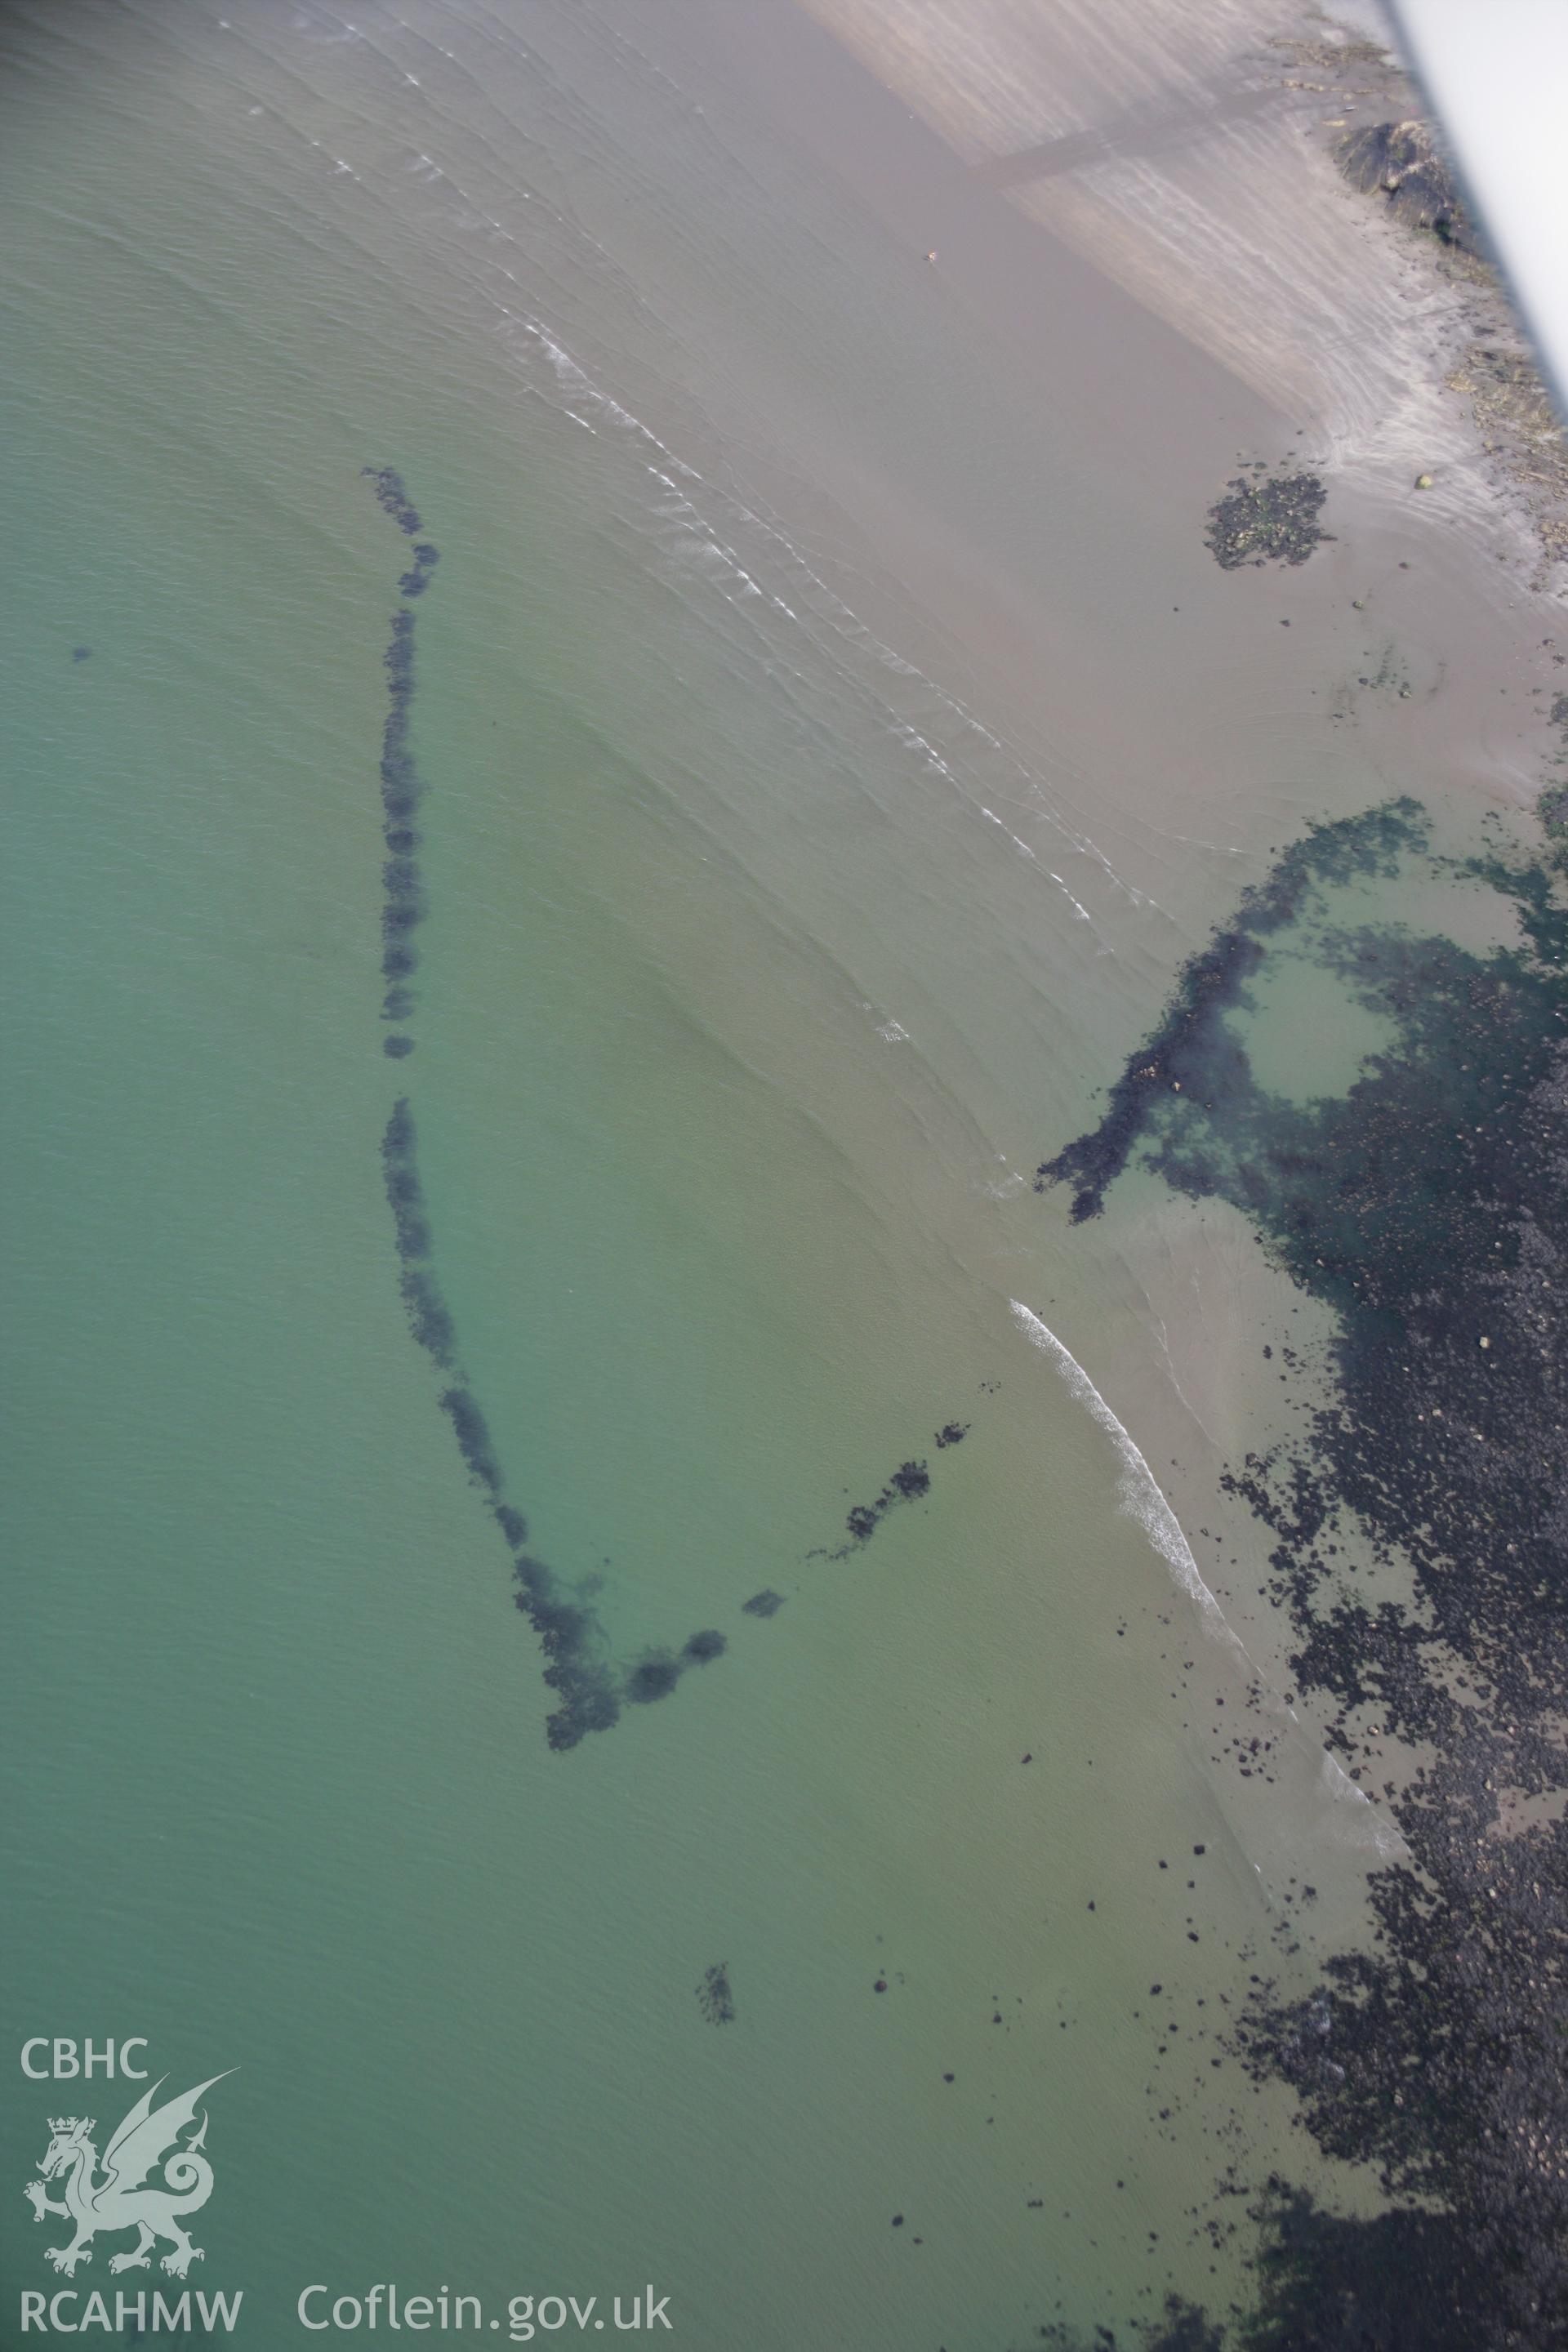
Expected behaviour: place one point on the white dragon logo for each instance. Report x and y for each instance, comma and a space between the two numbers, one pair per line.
120, 2201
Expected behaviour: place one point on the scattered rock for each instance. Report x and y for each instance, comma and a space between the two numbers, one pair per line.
1271, 519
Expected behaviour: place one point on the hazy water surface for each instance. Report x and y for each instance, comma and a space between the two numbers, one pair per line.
760, 963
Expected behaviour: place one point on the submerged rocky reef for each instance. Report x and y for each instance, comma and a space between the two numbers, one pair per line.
1427, 1205
714, 1998
587, 1688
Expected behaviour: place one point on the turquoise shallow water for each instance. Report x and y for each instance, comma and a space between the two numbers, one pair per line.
741, 1013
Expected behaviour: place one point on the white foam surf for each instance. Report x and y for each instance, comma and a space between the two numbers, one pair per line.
1141, 1498
1137, 1487
678, 487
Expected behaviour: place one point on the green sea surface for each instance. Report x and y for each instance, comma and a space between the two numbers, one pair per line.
741, 1017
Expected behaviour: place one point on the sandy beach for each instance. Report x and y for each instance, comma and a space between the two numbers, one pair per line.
1205, 289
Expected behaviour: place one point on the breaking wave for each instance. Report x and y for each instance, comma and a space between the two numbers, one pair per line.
1137, 1487
1139, 1494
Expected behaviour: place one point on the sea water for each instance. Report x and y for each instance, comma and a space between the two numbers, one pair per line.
758, 963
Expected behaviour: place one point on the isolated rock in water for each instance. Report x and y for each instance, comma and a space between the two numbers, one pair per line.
1402, 162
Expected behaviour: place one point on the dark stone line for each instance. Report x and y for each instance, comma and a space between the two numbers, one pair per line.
577, 1667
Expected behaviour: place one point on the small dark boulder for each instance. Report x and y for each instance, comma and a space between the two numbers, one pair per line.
1273, 519
1402, 162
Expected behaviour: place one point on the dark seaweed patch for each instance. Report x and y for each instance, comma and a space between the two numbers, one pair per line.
1428, 1207
1191, 1052
472, 1432
1552, 804
387, 485
404, 1191
909, 1482
427, 1317
656, 1674
952, 1433
654, 1677
763, 1604
714, 1998
426, 558
576, 1666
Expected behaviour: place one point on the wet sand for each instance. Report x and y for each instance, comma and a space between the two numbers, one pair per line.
1422, 655
1215, 732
